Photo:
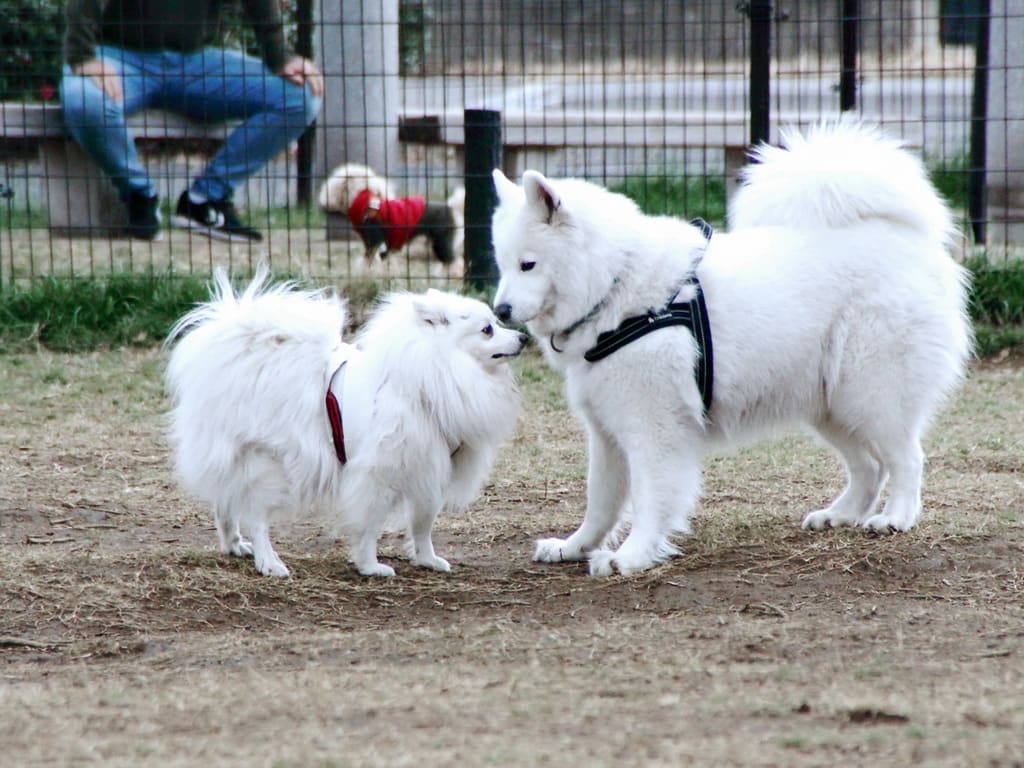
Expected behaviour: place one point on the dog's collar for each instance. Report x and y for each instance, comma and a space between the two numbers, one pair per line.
569, 330
705, 229
693, 314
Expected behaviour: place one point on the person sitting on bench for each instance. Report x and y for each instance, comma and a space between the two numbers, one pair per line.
122, 56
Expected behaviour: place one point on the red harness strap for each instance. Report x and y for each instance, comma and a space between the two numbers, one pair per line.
334, 417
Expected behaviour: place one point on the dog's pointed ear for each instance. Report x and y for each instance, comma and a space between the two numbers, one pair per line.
507, 190
540, 195
429, 313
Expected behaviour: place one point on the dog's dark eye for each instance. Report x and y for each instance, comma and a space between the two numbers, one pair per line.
488, 330
526, 266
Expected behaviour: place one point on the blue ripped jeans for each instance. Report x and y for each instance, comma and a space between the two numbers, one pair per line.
211, 85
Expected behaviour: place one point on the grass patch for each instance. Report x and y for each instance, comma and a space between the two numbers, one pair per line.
952, 180
69, 314
74, 315
685, 197
996, 304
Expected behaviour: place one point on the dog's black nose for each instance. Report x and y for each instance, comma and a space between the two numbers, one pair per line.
504, 312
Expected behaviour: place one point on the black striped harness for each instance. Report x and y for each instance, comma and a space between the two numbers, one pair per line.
693, 314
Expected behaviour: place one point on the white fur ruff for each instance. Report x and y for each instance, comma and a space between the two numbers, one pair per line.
834, 304
426, 400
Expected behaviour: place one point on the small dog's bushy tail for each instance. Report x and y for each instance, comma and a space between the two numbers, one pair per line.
262, 308
235, 328
836, 175
223, 300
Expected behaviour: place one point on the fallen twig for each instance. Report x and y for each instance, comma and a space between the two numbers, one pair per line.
48, 540
9, 641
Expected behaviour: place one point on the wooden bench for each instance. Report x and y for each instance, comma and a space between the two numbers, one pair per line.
524, 136
80, 200
527, 135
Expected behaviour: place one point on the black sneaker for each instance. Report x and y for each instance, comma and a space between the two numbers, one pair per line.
143, 216
214, 218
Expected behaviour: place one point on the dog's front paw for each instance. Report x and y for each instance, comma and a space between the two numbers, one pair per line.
602, 562
376, 569
272, 566
434, 562
557, 551
886, 523
239, 548
826, 518
606, 562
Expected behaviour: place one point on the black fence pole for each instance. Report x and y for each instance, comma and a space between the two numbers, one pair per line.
6, 194
976, 202
483, 155
760, 12
304, 155
850, 43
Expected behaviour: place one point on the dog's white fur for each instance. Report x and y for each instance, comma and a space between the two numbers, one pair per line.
834, 303
426, 399
346, 181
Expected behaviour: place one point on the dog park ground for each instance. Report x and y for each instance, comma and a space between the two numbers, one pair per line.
126, 640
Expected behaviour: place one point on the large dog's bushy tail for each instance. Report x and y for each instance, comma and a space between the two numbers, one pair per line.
836, 175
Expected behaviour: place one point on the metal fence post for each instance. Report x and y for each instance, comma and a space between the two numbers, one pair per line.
307, 141
849, 43
6, 194
760, 12
976, 199
482, 155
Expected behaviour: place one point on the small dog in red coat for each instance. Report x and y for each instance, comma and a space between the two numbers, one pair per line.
387, 223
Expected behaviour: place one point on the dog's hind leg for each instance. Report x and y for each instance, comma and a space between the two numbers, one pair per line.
864, 487
607, 486
363, 552
229, 535
420, 523
267, 561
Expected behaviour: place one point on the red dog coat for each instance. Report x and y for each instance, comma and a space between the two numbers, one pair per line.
398, 217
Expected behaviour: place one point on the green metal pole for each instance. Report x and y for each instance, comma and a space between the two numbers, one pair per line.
483, 155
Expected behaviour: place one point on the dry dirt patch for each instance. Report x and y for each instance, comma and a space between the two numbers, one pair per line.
126, 640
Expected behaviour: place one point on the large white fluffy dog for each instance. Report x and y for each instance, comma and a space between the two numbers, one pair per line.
275, 416
833, 302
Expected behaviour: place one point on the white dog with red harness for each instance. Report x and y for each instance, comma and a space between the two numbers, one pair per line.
275, 416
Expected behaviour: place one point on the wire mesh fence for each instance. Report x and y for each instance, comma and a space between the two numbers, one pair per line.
660, 100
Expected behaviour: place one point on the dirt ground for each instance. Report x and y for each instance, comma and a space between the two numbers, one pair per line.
126, 640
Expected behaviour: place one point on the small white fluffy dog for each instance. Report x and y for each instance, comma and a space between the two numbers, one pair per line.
425, 396
833, 303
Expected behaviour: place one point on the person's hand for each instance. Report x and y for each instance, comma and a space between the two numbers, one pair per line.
106, 78
302, 71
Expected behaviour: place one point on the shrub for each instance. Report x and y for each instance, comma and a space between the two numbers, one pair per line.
31, 33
